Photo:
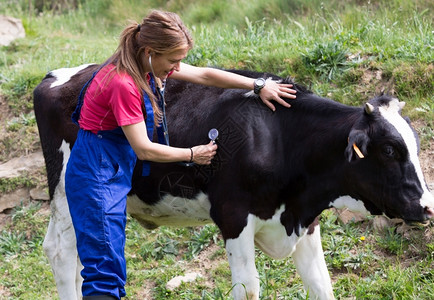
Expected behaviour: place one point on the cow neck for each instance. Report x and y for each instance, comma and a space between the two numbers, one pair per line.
325, 159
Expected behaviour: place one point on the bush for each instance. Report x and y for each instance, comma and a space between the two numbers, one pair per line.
326, 59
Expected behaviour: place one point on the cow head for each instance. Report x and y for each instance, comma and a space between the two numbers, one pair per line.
384, 170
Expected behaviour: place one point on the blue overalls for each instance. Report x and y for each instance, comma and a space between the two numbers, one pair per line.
97, 181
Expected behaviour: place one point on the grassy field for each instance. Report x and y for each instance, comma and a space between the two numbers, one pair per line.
349, 53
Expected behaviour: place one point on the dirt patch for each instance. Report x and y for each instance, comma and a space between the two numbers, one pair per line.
427, 162
426, 157
18, 134
5, 116
205, 260
146, 293
374, 78
5, 218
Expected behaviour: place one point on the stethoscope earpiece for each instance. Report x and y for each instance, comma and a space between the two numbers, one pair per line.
150, 64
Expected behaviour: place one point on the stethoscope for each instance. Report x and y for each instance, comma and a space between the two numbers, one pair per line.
160, 91
212, 134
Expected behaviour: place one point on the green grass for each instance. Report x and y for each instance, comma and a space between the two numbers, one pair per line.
25, 270
348, 51
381, 265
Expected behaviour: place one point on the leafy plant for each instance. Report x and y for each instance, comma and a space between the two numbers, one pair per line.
11, 243
326, 59
159, 249
25, 210
393, 242
24, 120
202, 239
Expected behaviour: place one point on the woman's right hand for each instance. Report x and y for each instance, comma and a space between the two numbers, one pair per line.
203, 154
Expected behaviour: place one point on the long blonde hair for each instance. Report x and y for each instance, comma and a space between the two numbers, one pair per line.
163, 32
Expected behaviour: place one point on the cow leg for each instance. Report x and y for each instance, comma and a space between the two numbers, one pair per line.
60, 247
241, 256
309, 260
60, 244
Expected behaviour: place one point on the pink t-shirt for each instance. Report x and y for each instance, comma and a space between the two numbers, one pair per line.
111, 100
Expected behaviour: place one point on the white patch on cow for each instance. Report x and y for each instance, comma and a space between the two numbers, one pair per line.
64, 74
171, 211
59, 243
391, 114
352, 204
271, 236
311, 266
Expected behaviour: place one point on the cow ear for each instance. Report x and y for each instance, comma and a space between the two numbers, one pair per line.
357, 146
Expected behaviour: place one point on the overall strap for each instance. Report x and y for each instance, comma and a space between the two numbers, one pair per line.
76, 114
162, 133
149, 116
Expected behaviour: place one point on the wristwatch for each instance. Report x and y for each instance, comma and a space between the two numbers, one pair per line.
258, 84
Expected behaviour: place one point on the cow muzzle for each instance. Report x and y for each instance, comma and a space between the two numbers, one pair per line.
427, 202
428, 213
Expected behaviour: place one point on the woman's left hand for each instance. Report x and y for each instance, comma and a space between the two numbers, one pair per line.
273, 91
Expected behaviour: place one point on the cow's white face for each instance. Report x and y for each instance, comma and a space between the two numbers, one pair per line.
389, 179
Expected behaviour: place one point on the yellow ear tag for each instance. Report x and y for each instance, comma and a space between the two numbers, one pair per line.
359, 153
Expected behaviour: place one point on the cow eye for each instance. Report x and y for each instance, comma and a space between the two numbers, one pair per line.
389, 151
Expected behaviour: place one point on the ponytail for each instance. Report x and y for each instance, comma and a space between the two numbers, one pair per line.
127, 59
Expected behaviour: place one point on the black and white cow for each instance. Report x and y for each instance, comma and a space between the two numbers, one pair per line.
274, 173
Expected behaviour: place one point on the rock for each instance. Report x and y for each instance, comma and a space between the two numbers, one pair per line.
10, 29
404, 229
15, 166
39, 194
14, 199
178, 280
346, 216
380, 223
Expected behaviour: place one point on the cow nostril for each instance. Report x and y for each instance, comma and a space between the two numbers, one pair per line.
429, 212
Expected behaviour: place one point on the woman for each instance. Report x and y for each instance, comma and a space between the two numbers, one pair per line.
113, 113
